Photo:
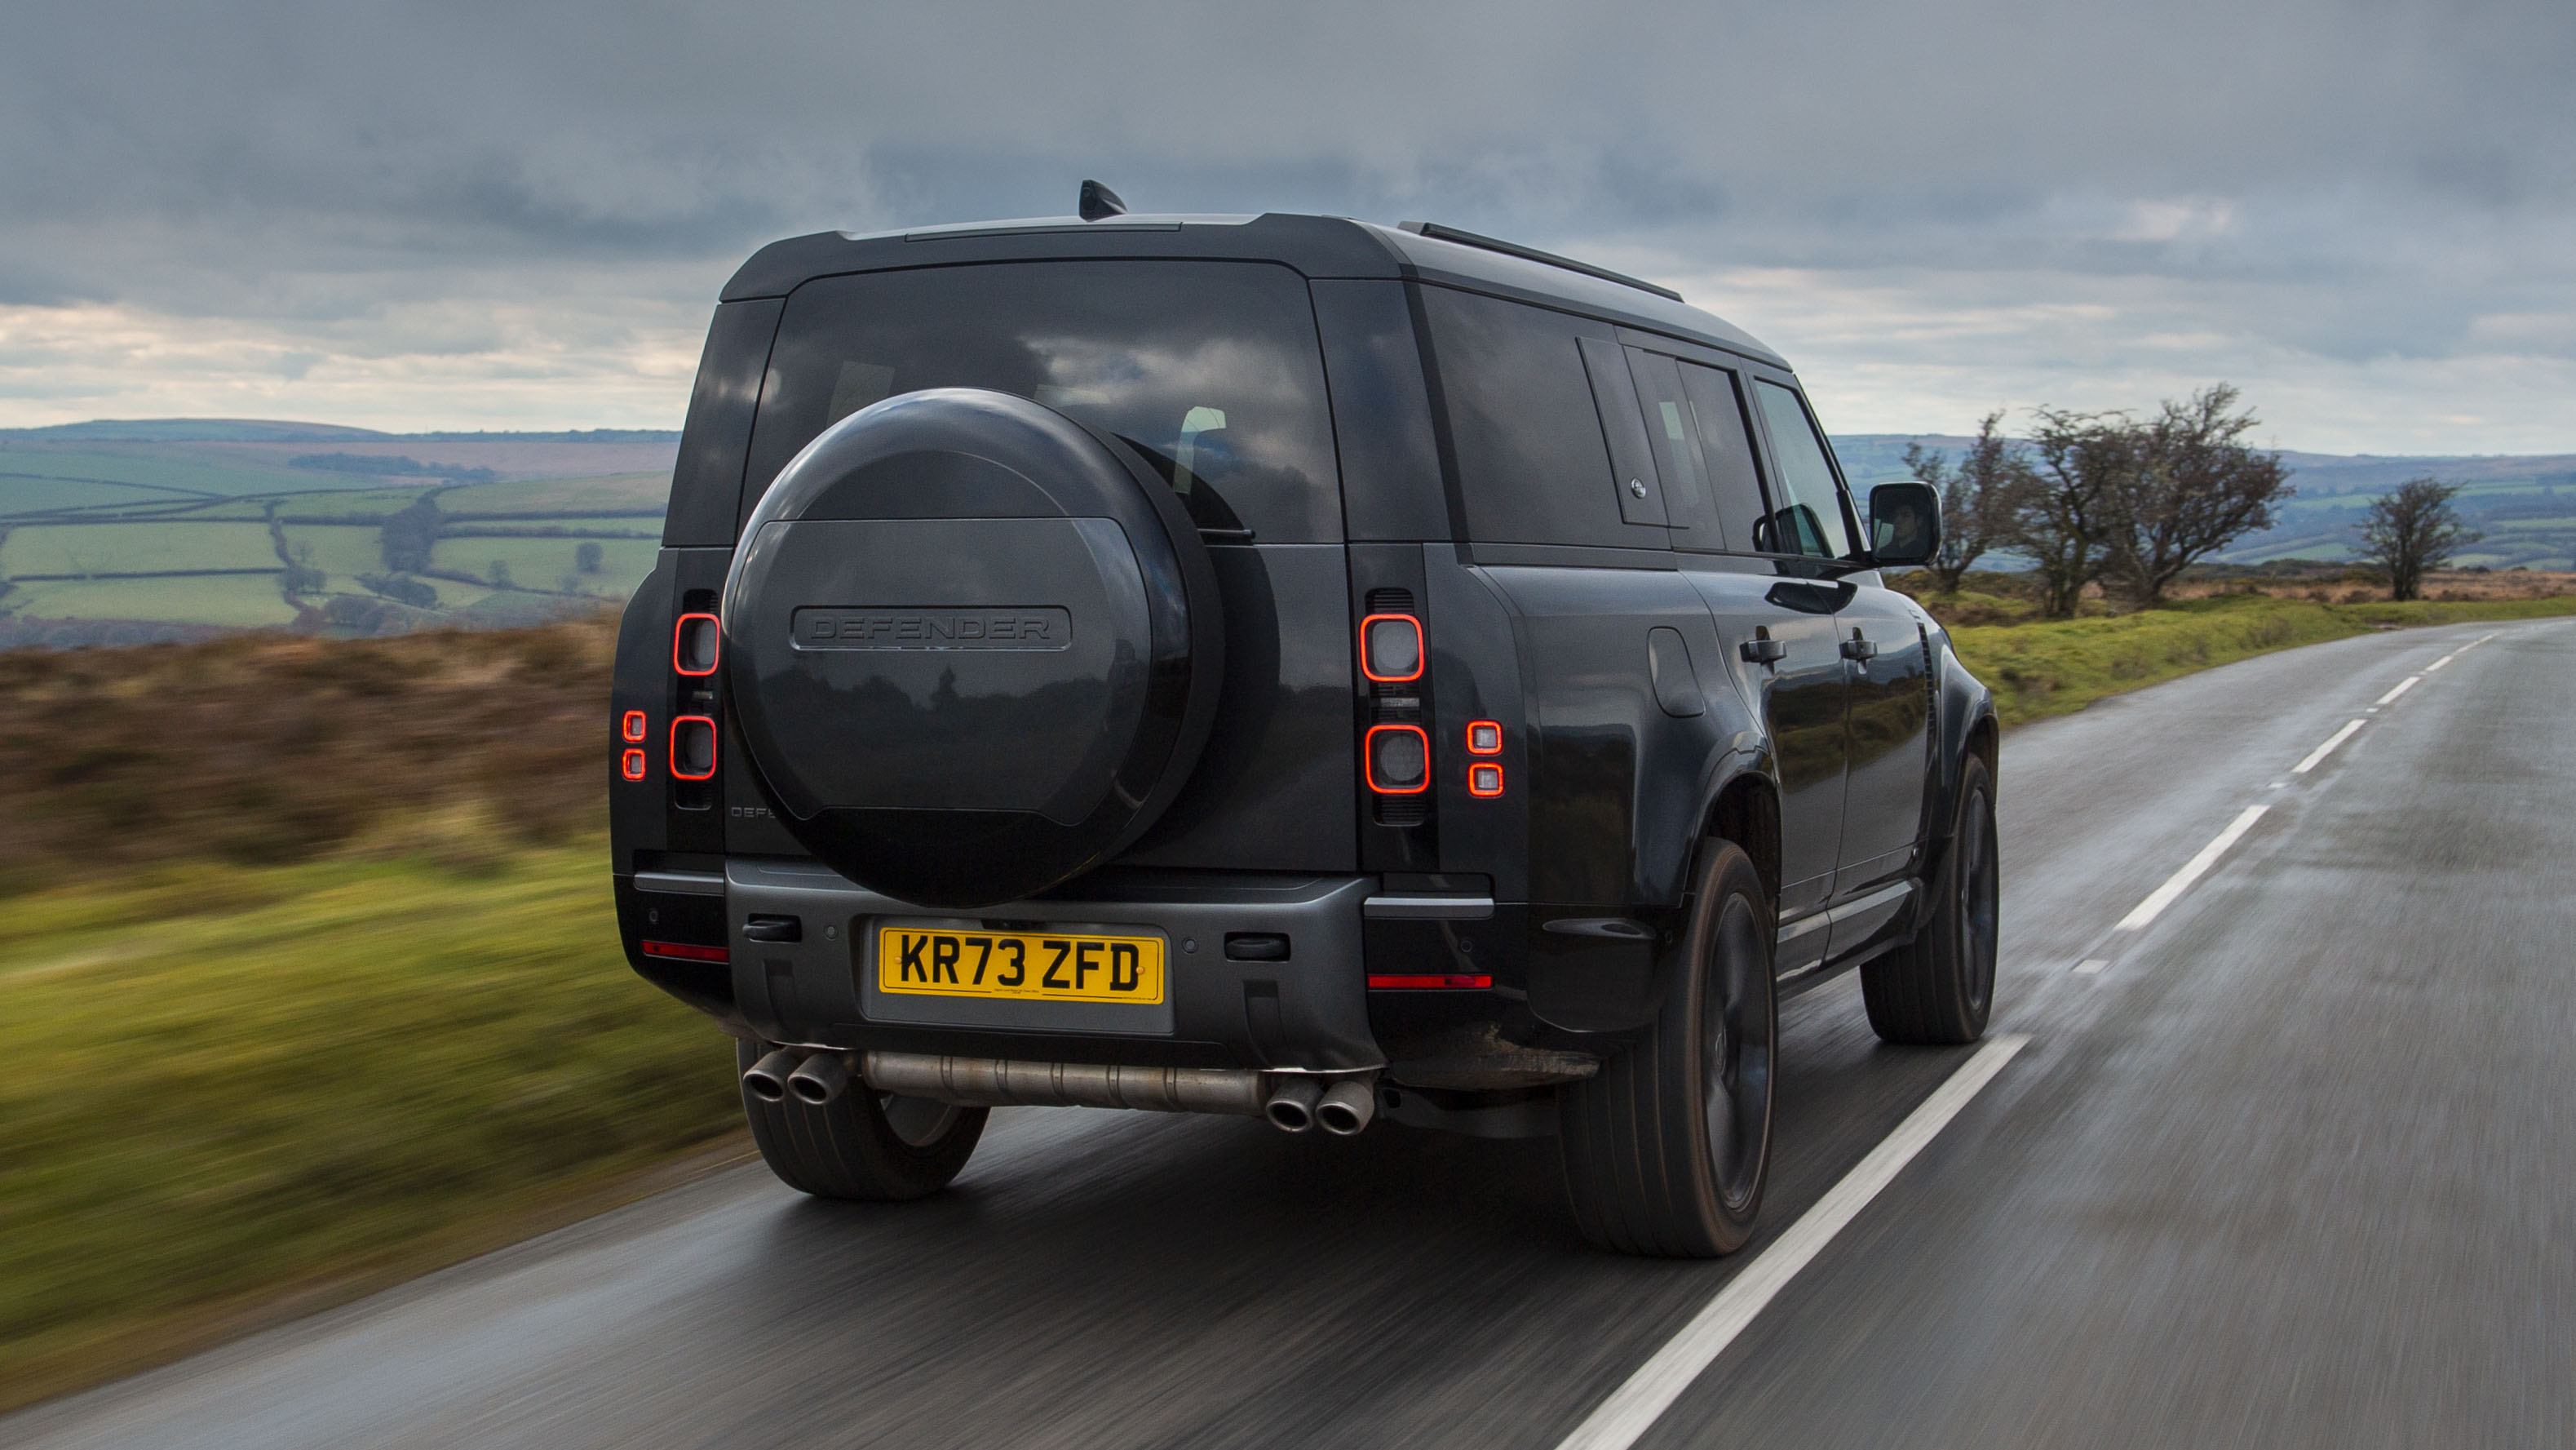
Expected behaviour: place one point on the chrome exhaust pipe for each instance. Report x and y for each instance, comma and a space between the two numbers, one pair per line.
1291, 1108
768, 1077
1347, 1107
821, 1079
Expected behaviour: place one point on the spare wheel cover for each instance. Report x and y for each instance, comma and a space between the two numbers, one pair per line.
973, 645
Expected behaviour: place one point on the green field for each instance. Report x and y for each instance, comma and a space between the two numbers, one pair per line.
135, 548
543, 563
336, 549
173, 470
235, 601
612, 492
177, 1151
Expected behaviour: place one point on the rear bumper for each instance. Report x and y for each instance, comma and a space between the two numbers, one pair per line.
1307, 1011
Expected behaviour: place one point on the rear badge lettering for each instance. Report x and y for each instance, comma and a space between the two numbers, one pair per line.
906, 627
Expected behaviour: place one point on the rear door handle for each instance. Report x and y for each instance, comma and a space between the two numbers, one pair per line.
1764, 651
1857, 648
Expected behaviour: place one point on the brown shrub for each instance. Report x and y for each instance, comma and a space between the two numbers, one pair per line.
260, 748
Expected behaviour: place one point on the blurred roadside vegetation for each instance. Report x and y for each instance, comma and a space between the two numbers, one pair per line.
2040, 667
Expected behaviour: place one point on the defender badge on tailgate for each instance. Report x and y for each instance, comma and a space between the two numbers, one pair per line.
1011, 627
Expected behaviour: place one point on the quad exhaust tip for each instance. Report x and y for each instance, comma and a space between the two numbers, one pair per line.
821, 1079
1291, 1108
1346, 1108
768, 1077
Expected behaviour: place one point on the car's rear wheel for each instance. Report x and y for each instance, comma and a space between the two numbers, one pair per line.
1666, 1151
862, 1144
1940, 988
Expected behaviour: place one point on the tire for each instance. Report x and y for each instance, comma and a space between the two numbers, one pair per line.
1666, 1151
863, 1144
1938, 989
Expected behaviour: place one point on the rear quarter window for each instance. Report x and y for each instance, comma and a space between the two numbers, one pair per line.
1533, 466
1211, 370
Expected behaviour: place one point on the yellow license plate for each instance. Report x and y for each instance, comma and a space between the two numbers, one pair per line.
1032, 966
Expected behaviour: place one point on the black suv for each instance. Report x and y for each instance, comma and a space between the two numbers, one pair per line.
1284, 666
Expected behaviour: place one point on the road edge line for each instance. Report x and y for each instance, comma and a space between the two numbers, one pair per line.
1642, 1398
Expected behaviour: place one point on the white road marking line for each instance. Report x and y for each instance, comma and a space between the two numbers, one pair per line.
1634, 1407
2276, 785
2322, 751
2090, 966
2403, 686
2444, 660
2180, 882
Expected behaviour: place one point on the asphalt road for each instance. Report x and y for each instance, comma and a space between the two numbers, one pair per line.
2291, 1164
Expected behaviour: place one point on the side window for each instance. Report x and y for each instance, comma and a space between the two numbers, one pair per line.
1533, 467
1726, 447
1806, 508
1669, 422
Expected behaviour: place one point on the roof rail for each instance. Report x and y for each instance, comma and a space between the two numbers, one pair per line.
1439, 233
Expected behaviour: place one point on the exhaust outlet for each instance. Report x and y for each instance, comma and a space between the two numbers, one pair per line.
1291, 1108
1347, 1107
768, 1077
822, 1078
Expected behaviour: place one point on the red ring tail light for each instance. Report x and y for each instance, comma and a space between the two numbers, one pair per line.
1484, 737
631, 765
1391, 648
693, 748
1399, 759
696, 642
1484, 778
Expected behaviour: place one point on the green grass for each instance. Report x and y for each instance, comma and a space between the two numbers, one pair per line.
339, 548
127, 548
239, 601
223, 1082
158, 464
617, 491
2041, 669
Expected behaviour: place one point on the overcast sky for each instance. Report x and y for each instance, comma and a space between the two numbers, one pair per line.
516, 215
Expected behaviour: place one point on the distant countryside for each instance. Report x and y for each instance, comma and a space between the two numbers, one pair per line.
118, 533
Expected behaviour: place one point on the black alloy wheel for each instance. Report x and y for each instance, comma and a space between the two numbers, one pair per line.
1667, 1150
1939, 989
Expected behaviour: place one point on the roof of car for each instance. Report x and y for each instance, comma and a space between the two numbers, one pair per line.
1314, 245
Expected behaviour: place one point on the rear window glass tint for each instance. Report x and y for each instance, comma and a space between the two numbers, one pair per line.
1211, 370
1532, 465
1807, 512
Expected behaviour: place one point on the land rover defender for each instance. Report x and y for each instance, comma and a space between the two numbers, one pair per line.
1284, 666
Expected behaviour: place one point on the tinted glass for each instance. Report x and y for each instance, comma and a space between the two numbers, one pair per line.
1211, 370
1532, 466
1726, 448
1807, 511
1677, 450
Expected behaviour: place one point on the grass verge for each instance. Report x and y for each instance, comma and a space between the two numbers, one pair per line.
234, 1087
2043, 669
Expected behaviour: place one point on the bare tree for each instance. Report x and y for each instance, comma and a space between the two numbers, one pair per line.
2412, 530
1975, 496
2190, 486
2061, 513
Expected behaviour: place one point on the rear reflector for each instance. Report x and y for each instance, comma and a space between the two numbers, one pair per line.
632, 727
693, 748
684, 951
1484, 737
631, 765
1391, 648
1429, 983
1399, 759
1484, 778
695, 642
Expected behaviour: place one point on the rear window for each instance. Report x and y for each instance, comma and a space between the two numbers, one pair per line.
1211, 370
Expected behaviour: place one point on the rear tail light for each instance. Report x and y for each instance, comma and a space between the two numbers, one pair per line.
1399, 759
693, 748
685, 951
696, 642
1484, 778
632, 727
631, 765
1484, 737
1391, 648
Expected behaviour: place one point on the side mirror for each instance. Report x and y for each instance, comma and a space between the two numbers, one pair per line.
1904, 525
